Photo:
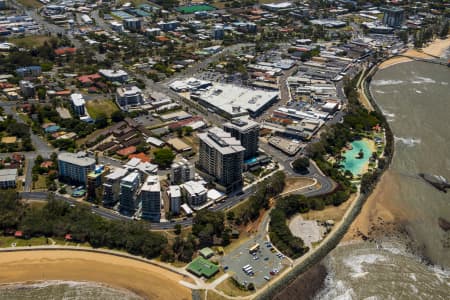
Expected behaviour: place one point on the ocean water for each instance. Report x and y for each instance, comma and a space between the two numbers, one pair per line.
67, 290
415, 97
351, 162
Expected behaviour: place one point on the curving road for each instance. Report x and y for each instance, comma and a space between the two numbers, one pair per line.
326, 187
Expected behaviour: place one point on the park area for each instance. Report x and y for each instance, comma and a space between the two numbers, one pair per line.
190, 9
98, 107
30, 41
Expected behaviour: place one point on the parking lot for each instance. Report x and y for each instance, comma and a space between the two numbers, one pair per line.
265, 263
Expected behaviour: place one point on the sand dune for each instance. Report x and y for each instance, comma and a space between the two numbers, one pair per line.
143, 279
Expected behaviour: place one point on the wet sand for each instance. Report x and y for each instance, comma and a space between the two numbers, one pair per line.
306, 286
378, 217
146, 280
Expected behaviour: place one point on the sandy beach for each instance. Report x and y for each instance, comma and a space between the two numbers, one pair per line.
435, 48
143, 279
378, 216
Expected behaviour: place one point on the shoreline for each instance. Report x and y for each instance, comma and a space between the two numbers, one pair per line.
378, 218
140, 278
434, 49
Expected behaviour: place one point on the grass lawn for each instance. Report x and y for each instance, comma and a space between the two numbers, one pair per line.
40, 183
229, 288
30, 41
95, 107
6, 241
30, 3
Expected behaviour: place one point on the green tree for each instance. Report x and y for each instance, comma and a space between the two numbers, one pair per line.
177, 229
301, 165
163, 157
117, 116
101, 121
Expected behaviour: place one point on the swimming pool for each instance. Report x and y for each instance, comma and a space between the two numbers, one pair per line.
351, 163
251, 160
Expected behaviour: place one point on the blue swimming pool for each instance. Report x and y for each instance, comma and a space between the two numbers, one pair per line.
351, 162
250, 160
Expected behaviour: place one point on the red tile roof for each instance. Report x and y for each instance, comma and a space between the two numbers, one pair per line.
89, 78
141, 156
185, 122
127, 151
162, 38
18, 233
63, 93
65, 50
46, 164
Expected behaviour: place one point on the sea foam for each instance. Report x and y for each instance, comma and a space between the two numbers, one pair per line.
408, 141
422, 80
383, 82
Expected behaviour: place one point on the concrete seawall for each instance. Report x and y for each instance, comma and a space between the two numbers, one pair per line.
333, 239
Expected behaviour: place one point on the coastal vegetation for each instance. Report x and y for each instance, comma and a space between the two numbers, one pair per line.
77, 224
357, 123
265, 190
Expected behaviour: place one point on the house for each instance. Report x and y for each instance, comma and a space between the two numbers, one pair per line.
65, 50
87, 80
126, 151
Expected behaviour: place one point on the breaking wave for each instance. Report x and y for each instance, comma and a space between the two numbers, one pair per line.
383, 82
407, 141
421, 80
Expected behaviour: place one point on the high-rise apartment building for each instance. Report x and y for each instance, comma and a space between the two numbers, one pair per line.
247, 132
75, 167
175, 198
95, 180
181, 172
195, 193
150, 197
221, 158
129, 186
111, 186
393, 16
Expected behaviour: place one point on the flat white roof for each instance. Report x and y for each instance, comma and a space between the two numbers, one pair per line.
77, 99
151, 184
194, 187
154, 141
128, 91
221, 141
175, 191
130, 177
214, 194
186, 208
236, 100
79, 159
280, 5
8, 175
112, 73
117, 173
